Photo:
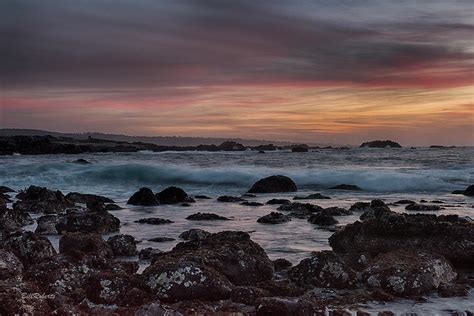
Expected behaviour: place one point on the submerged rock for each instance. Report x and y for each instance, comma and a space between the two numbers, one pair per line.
154, 221
123, 245
77, 197
41, 200
81, 161
173, 195
323, 269
206, 217
274, 184
194, 234
405, 202
247, 203
202, 197
451, 236
161, 239
299, 149
228, 199
278, 201
274, 218
143, 197
422, 207
408, 273
350, 187
315, 196
336, 211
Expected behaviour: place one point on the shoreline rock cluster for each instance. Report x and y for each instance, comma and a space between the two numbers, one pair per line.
383, 257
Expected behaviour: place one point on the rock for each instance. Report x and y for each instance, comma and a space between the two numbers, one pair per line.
281, 264
300, 210
154, 221
422, 207
283, 307
227, 198
469, 191
4, 189
453, 290
274, 184
143, 197
261, 152
360, 207
323, 269
81, 161
299, 150
315, 196
381, 144
30, 247
77, 197
278, 201
185, 204
123, 245
451, 237
458, 192
92, 221
336, 211
322, 220
149, 253
249, 195
41, 200
13, 219
112, 207
408, 273
281, 287
369, 208
194, 234
173, 195
14, 302
246, 203
202, 197
11, 268
161, 239
247, 294
231, 146
350, 187
405, 202
85, 243
47, 225
206, 217
274, 218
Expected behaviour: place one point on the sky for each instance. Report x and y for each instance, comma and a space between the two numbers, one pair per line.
319, 71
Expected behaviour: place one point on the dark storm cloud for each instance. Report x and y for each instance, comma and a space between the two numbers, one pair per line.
110, 44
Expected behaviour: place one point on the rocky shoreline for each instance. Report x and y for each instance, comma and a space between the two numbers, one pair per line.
383, 257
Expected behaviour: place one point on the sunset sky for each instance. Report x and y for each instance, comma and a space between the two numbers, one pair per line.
305, 71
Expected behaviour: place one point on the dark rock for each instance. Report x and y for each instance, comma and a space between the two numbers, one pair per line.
360, 207
91, 221
227, 198
299, 150
41, 200
278, 201
14, 302
173, 195
231, 146
451, 237
281, 264
144, 197
336, 211
405, 202
300, 210
81, 161
274, 184
77, 197
85, 243
202, 197
422, 207
149, 253
112, 207
458, 192
453, 290
206, 217
274, 218
323, 269
315, 196
47, 225
351, 187
283, 307
282, 287
11, 268
161, 239
246, 203
381, 144
322, 220
247, 294
185, 204
469, 191
154, 221
123, 245
369, 208
30, 247
261, 152
13, 219
249, 195
408, 273
4, 189
194, 234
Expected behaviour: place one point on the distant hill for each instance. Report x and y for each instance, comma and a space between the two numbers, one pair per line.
157, 140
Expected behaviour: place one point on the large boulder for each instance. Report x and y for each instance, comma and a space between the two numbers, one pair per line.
123, 245
469, 191
274, 184
41, 200
173, 195
85, 243
30, 247
408, 273
449, 236
323, 269
144, 197
90, 220
381, 144
77, 197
